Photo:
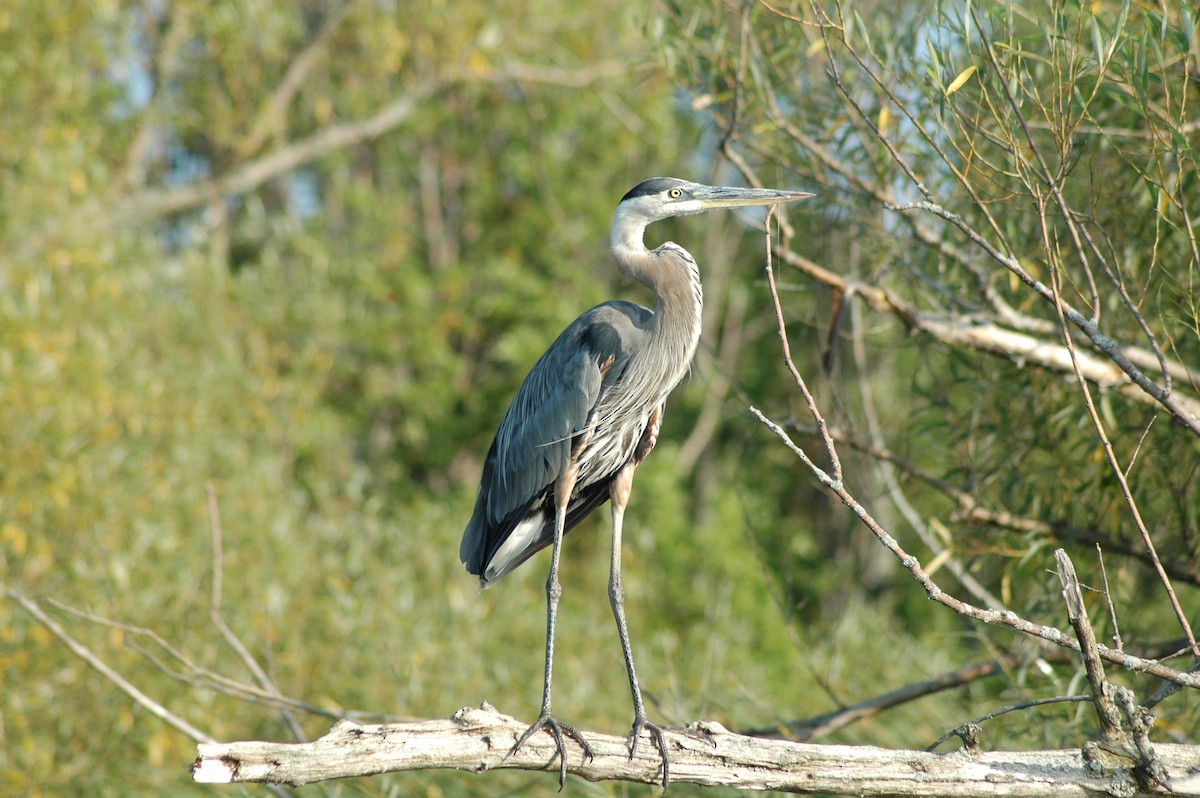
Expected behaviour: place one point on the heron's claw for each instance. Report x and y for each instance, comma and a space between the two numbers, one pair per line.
559, 731
656, 734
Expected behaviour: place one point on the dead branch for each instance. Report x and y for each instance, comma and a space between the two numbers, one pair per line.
1106, 698
84, 653
1106, 710
814, 728
819, 726
988, 335
478, 740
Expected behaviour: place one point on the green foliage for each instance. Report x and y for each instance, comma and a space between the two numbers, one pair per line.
1059, 134
331, 347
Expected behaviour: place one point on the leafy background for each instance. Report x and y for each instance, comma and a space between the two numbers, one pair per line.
328, 349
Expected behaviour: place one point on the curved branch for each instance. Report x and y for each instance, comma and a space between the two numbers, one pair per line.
159, 202
249, 175
1109, 346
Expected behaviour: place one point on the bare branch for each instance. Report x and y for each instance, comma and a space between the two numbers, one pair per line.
988, 335
270, 117
218, 619
179, 666
822, 426
478, 740
1109, 346
1106, 710
819, 726
84, 653
249, 175
972, 510
1002, 618
968, 731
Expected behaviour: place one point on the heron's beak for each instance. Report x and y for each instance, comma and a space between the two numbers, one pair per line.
726, 197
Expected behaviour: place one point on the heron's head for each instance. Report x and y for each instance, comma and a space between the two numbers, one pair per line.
664, 197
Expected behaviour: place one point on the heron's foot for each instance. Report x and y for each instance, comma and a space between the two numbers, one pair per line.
560, 731
656, 734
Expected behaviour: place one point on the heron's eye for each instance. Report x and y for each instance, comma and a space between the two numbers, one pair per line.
676, 193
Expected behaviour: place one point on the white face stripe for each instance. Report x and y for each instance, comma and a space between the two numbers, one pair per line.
651, 208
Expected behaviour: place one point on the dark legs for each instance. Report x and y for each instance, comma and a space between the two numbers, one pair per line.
619, 492
553, 591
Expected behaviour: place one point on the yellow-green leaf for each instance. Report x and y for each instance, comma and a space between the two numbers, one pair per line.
962, 78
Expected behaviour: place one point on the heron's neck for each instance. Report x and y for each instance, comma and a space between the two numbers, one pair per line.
671, 273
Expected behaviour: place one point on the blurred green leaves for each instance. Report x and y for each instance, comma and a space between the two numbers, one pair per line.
332, 347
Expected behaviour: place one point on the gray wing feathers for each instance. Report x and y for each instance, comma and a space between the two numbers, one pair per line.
533, 443
532, 447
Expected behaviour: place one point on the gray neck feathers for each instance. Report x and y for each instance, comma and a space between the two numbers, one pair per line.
672, 274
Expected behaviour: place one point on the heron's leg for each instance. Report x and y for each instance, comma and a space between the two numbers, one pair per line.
553, 591
619, 493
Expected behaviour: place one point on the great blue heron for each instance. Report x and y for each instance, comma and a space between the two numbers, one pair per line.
588, 413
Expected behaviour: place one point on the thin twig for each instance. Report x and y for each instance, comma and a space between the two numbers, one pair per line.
1037, 702
1112, 610
218, 620
1000, 618
822, 426
972, 511
1168, 690
188, 671
1110, 453
84, 653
